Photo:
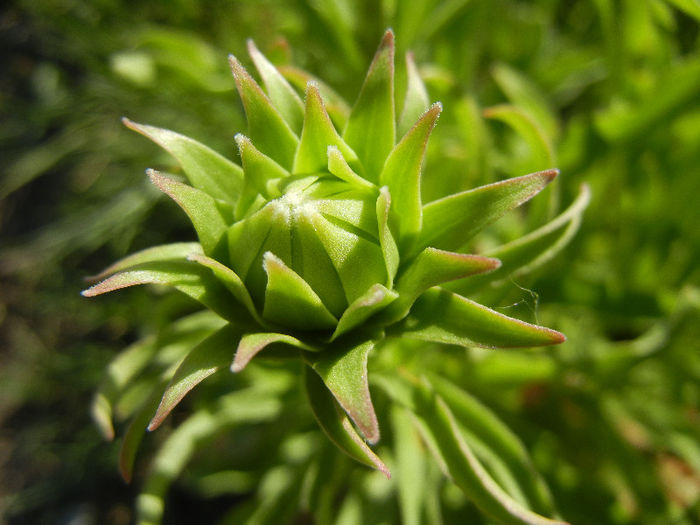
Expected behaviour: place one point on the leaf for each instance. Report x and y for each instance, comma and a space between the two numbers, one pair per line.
450, 222
336, 425
443, 317
343, 370
210, 218
365, 306
336, 106
317, 136
339, 167
290, 301
207, 358
485, 426
166, 252
465, 469
251, 344
526, 253
390, 250
206, 170
433, 267
282, 95
402, 174
266, 127
411, 467
188, 277
416, 101
260, 170
370, 130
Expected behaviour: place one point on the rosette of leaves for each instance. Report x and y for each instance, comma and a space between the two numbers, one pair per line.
319, 247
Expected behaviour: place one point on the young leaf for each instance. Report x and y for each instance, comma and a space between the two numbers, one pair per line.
266, 127
210, 218
370, 130
433, 267
343, 369
205, 359
416, 101
443, 317
390, 250
465, 469
251, 344
339, 167
282, 95
290, 301
260, 170
205, 169
373, 301
316, 137
450, 222
402, 172
168, 252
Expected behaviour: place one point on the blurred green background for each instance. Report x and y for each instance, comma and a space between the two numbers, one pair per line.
608, 91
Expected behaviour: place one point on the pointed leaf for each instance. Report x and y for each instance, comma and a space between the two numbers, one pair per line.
251, 344
390, 250
260, 170
339, 167
411, 466
336, 425
178, 251
343, 370
370, 130
337, 108
210, 218
450, 222
208, 357
205, 169
375, 300
443, 317
266, 127
416, 101
431, 268
402, 172
318, 134
464, 468
282, 95
188, 277
231, 281
290, 301
526, 253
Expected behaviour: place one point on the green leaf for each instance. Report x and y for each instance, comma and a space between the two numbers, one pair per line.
207, 358
443, 317
231, 281
370, 130
402, 173
339, 167
168, 252
465, 469
316, 137
210, 218
290, 301
485, 426
336, 425
261, 171
190, 278
336, 106
450, 222
282, 95
433, 267
266, 127
411, 466
526, 253
251, 344
343, 370
373, 301
205, 169
416, 101
390, 250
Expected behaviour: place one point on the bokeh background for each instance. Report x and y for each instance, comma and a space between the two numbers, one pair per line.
608, 91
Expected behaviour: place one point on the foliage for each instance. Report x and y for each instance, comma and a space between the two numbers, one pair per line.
603, 90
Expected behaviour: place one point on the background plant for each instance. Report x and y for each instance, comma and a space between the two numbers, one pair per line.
609, 418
